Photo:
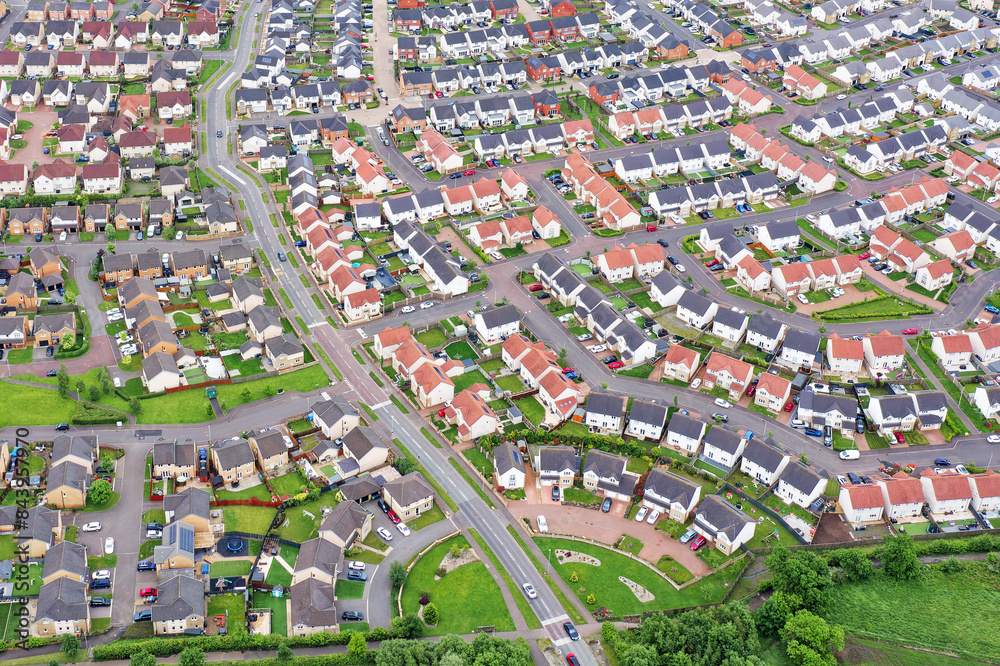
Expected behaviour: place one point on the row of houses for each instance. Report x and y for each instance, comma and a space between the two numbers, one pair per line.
652, 86
973, 108
810, 176
897, 204
453, 17
703, 17
852, 121
725, 193
611, 207
104, 34
484, 112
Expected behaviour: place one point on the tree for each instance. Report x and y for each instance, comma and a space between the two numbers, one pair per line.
573, 578
808, 639
356, 646
104, 379
407, 626
802, 577
99, 493
993, 563
397, 574
285, 654
822, 330
191, 656
80, 387
431, 614
62, 379
562, 353
899, 557
70, 645
245, 393
773, 615
640, 655
452, 659
94, 393
209, 410
405, 466
143, 659
135, 405
856, 566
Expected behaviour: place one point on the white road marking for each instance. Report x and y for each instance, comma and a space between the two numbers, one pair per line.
237, 178
558, 618
382, 404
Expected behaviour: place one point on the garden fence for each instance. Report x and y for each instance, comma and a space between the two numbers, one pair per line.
766, 510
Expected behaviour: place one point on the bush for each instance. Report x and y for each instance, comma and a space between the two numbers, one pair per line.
424, 599
441, 572
952, 565
430, 614
591, 599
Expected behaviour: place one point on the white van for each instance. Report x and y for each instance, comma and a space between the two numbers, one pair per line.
543, 527
850, 454
150, 231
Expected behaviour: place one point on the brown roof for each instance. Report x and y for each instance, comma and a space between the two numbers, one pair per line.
137, 139
864, 496
887, 344
950, 487
903, 489
987, 484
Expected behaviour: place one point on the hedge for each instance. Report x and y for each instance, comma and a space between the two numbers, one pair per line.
88, 414
981, 543
163, 647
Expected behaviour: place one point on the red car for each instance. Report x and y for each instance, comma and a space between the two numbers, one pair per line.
789, 407
864, 255
393, 517
566, 371
469, 172
147, 592
614, 365
431, 96
899, 437
909, 331
712, 262
651, 227
441, 412
698, 543
439, 94
751, 391
535, 287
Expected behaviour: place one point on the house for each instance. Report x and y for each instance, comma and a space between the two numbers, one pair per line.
269, 447
65, 560
508, 466
556, 465
779, 236
696, 310
319, 563
844, 356
685, 433
680, 363
284, 352
646, 420
902, 496
347, 524
764, 332
763, 462
723, 446
366, 448
729, 373
799, 485
234, 459
884, 353
673, 496
173, 459
67, 485
180, 606
954, 352
62, 608
947, 494
721, 522
606, 472
605, 413
191, 507
772, 392
985, 493
799, 349
409, 495
862, 503
498, 324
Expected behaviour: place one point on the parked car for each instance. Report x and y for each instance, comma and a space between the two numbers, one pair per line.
143, 616
725, 404
357, 575
850, 454
654, 516
352, 616
571, 631
606, 506
687, 536
641, 515
698, 542
384, 533
92, 527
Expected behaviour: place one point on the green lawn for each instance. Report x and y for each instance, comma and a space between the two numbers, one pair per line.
249, 519
350, 589
904, 611
460, 351
432, 338
230, 568
466, 380
289, 484
279, 609
300, 527
466, 598
306, 379
479, 461
531, 409
426, 518
510, 383
37, 406
231, 605
603, 581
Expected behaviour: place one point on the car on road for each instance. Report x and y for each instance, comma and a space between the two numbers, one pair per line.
426, 304
725, 404
403, 529
910, 331
469, 172
357, 575
282, 256
687, 536
993, 439
52, 373
92, 527
571, 631
407, 309
101, 574
455, 176
942, 462
841, 96
109, 546
698, 542
529, 590
352, 616
356, 566
850, 454
219, 134
384, 533
572, 660
639, 517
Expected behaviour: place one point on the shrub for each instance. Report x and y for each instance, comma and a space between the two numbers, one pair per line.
430, 614
952, 565
424, 599
441, 572
591, 599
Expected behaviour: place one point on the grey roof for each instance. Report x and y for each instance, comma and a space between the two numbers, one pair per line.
409, 489
686, 426
557, 458
65, 556
355, 489
731, 318
68, 473
695, 302
173, 453
322, 554
497, 317
506, 457
802, 341
188, 502
763, 455
607, 465
896, 406
344, 520
929, 401
178, 539
765, 325
270, 443
179, 598
331, 411
825, 403
235, 252
54, 322
671, 486
233, 453
284, 344
361, 440
158, 362
717, 516
648, 412
313, 604
244, 288
64, 599
800, 477
81, 446
724, 439
606, 404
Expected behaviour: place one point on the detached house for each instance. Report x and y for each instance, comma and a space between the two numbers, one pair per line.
673, 496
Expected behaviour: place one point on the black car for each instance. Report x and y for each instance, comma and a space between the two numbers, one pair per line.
62, 426
662, 243
96, 602
853, 478
542, 295
859, 424
145, 566
383, 506
942, 462
609, 359
50, 351
672, 259
357, 575
38, 238
219, 134
100, 584
571, 631
51, 373
143, 616
555, 493
352, 616
606, 507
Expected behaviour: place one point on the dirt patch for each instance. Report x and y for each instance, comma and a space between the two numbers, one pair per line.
641, 593
449, 563
568, 557
831, 529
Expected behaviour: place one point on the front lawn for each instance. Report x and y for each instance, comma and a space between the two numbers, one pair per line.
350, 589
466, 597
426, 518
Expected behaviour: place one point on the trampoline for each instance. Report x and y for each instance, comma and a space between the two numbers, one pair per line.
234, 545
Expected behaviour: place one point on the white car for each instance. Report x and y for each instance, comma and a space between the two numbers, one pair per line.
696, 382
639, 517
543, 526
584, 337
496, 255
841, 96
597, 349
403, 529
426, 304
851, 454
154, 534
109, 546
384, 533
725, 404
356, 566
115, 317
92, 527
802, 299
993, 439
101, 574
529, 590
407, 309
653, 517
993, 199
746, 77
680, 268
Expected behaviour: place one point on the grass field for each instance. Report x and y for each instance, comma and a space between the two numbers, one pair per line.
230, 568
431, 338
460, 350
466, 598
232, 606
871, 653
531, 409
279, 608
888, 610
350, 589
603, 581
249, 519
299, 526
466, 380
